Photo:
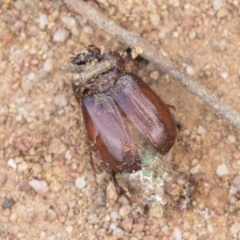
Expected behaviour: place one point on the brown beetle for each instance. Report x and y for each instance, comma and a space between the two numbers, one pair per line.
110, 97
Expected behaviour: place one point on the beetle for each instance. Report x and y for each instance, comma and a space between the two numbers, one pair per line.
111, 97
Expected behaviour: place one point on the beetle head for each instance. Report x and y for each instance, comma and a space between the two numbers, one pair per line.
87, 54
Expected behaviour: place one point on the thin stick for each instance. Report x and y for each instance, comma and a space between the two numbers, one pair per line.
96, 69
132, 40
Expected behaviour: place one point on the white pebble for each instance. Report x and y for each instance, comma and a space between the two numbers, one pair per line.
154, 75
222, 170
175, 34
22, 167
232, 138
68, 21
217, 4
125, 210
177, 234
44, 47
195, 169
224, 75
112, 226
190, 70
4, 110
88, 30
192, 35
42, 234
61, 35
60, 101
11, 163
43, 21
118, 232
47, 66
235, 228
68, 155
39, 186
114, 215
165, 228
233, 190
69, 229
201, 130
32, 51
48, 158
31, 76
161, 34
80, 182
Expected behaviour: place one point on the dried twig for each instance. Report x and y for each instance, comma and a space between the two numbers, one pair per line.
96, 69
132, 40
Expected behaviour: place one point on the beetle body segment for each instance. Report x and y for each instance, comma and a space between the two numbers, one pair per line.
109, 134
146, 110
112, 97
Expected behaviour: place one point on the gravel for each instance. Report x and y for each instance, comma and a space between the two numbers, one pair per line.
61, 35
222, 170
80, 182
46, 178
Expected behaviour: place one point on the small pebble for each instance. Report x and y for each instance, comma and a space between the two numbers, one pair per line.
236, 182
162, 34
48, 158
55, 186
22, 167
25, 139
233, 190
68, 21
114, 215
235, 228
232, 138
139, 226
47, 66
192, 35
11, 163
39, 186
43, 21
217, 4
69, 229
195, 169
36, 168
31, 76
112, 226
201, 131
118, 232
60, 35
154, 18
80, 182
3, 179
125, 210
219, 45
222, 170
60, 101
177, 234
111, 193
154, 75
190, 70
156, 210
224, 75
68, 155
223, 12
24, 186
127, 224
87, 30
8, 203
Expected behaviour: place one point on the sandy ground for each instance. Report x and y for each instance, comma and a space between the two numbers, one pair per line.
41, 143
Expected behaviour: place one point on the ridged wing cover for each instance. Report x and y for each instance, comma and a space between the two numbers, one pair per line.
109, 134
146, 110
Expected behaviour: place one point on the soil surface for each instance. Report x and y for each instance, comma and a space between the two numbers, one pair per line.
48, 188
